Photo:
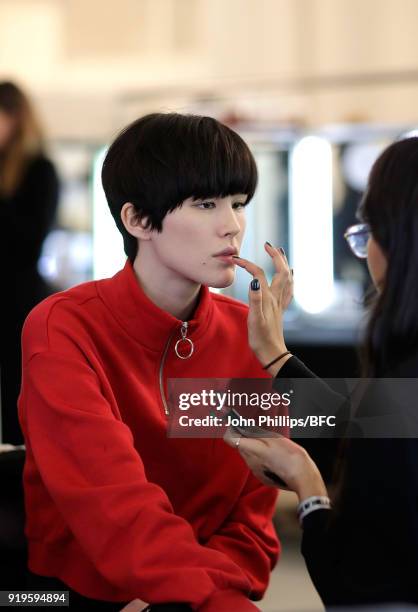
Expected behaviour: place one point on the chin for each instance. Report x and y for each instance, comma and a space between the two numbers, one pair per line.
221, 282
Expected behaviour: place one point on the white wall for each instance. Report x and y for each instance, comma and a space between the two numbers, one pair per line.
92, 64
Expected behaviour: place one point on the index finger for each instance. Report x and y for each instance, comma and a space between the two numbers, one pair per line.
252, 268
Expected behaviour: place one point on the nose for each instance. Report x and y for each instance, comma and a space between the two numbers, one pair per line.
229, 223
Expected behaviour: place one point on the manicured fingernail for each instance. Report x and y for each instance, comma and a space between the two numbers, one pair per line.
270, 245
255, 284
236, 257
281, 249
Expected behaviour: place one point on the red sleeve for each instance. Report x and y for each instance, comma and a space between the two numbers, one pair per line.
96, 478
248, 536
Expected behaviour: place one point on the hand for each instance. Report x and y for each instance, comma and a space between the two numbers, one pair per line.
267, 304
285, 458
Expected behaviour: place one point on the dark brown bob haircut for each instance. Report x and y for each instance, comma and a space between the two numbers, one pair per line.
160, 160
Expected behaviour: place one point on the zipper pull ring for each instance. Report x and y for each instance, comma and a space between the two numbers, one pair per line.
185, 339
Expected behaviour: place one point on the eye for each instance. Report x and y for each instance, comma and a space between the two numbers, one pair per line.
205, 205
239, 205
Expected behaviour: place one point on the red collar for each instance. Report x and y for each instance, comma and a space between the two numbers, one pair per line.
144, 320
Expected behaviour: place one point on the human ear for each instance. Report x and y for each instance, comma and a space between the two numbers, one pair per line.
377, 263
136, 225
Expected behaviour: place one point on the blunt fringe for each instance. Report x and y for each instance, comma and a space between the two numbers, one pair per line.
162, 159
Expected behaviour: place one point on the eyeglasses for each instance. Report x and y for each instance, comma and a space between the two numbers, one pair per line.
357, 237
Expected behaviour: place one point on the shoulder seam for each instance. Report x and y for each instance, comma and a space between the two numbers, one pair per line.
66, 298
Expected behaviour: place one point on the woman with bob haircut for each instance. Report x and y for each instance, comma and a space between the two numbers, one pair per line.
28, 201
364, 550
116, 511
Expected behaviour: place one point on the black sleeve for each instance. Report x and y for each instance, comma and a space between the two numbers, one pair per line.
295, 368
27, 218
312, 395
330, 578
365, 550
369, 555
315, 550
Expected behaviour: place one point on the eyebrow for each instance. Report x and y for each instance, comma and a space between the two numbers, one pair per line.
219, 197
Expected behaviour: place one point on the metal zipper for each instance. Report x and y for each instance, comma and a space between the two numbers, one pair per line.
184, 338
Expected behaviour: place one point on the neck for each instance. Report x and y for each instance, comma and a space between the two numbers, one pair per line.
172, 293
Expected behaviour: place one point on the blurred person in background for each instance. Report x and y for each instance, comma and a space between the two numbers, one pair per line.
28, 202
364, 550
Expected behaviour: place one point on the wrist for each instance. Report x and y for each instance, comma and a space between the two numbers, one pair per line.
311, 504
267, 354
275, 368
312, 486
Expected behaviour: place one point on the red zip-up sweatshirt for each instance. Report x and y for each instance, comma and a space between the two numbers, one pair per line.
115, 508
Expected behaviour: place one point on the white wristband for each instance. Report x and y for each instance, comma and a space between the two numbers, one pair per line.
310, 504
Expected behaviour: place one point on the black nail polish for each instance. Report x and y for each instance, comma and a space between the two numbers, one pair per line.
282, 251
255, 284
270, 245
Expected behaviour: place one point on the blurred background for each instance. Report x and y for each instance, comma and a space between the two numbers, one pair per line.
316, 87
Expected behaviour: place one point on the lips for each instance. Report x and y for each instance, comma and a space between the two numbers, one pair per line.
227, 252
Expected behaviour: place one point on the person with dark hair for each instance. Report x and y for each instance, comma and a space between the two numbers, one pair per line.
364, 550
116, 510
28, 202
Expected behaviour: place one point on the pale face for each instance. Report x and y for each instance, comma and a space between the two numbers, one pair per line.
7, 127
377, 263
194, 236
